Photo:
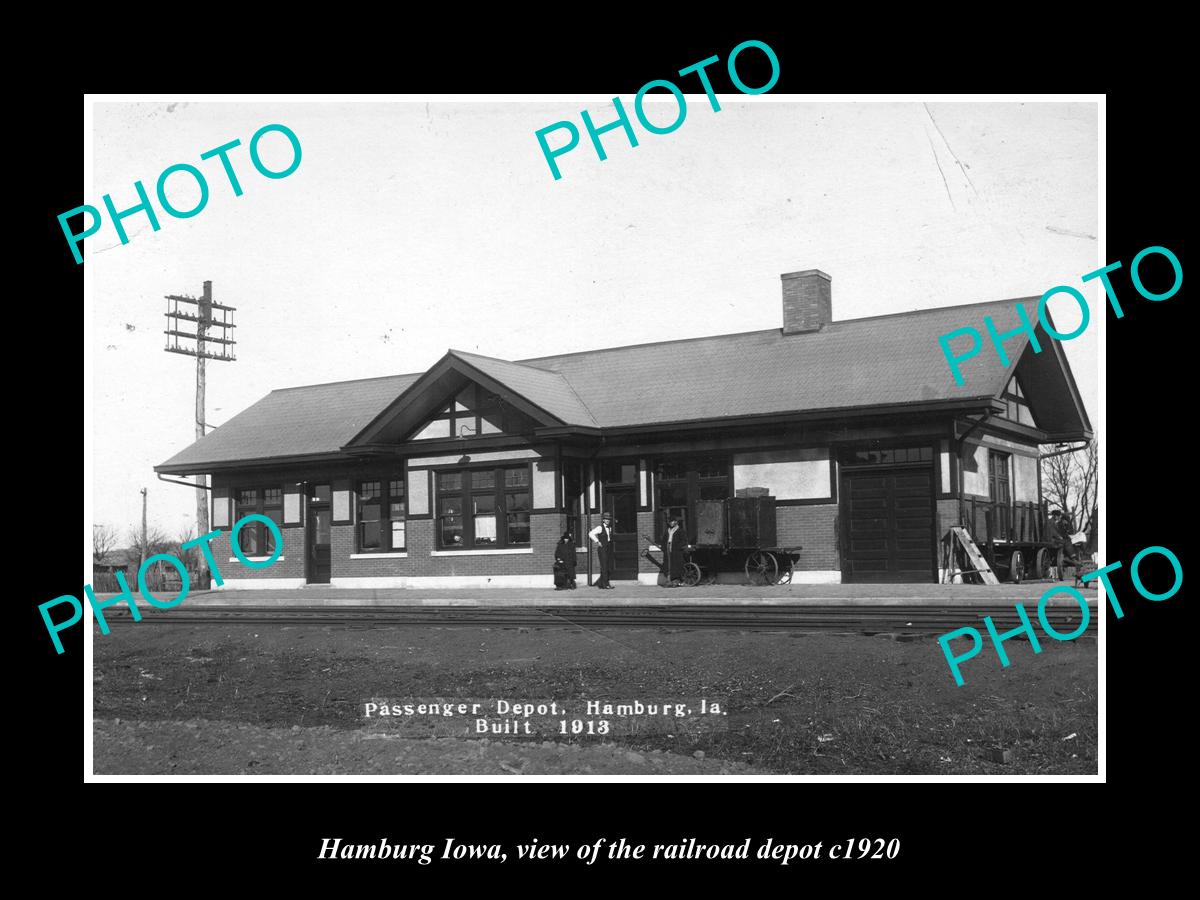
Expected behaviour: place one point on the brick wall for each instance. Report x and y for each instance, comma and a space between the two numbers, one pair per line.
807, 301
646, 526
289, 565
813, 528
947, 513
544, 528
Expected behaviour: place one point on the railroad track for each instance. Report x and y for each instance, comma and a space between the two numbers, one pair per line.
898, 619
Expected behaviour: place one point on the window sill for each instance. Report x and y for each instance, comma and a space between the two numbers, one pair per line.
503, 552
256, 559
397, 555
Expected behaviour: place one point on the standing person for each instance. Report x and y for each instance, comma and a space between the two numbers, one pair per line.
601, 536
564, 563
673, 542
1065, 529
1061, 528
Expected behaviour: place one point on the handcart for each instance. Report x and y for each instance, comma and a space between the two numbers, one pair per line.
737, 532
692, 574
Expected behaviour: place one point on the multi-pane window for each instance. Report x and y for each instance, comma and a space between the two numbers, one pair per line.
381, 515
483, 508
517, 504
888, 456
255, 538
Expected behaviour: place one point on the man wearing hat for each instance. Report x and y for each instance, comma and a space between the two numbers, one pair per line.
601, 536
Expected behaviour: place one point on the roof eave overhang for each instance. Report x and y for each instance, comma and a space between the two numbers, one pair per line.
1062, 437
205, 468
569, 431
957, 406
1008, 428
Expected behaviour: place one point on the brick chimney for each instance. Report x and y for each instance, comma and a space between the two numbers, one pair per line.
807, 301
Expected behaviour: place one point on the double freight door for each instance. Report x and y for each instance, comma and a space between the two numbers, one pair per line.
887, 525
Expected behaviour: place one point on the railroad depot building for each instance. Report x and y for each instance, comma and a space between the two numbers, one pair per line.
468, 473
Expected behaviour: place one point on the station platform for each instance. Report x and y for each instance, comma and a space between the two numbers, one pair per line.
633, 594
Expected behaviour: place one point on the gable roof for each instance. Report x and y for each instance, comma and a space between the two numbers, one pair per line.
890, 361
549, 390
878, 361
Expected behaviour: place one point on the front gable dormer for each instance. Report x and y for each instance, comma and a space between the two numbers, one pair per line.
468, 397
474, 411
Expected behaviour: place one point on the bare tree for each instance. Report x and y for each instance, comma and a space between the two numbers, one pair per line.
104, 541
1069, 483
192, 554
157, 541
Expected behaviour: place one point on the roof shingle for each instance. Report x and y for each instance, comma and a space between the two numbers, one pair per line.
297, 421
855, 363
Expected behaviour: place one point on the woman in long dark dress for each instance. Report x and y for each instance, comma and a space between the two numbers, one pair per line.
674, 542
564, 563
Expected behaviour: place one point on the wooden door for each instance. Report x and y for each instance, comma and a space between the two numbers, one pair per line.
887, 526
320, 516
622, 503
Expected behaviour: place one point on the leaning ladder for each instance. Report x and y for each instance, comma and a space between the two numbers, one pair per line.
949, 557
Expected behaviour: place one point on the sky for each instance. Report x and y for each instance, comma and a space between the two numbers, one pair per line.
410, 228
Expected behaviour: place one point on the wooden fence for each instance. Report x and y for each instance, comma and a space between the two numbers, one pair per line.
160, 579
990, 522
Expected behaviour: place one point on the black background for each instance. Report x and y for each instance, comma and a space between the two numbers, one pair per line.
957, 835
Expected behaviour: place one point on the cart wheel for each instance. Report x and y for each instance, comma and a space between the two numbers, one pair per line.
1043, 563
785, 570
691, 574
761, 568
1060, 560
1016, 568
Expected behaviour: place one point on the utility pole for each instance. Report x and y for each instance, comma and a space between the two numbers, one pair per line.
144, 548
201, 480
204, 324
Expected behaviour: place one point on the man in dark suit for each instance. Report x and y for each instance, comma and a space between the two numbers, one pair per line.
601, 536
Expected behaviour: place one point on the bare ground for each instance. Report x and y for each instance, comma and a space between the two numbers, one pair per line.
236, 699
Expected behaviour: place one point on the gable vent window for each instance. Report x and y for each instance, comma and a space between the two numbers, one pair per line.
473, 411
1016, 405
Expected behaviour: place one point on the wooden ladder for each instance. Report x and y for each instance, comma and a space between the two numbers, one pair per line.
982, 569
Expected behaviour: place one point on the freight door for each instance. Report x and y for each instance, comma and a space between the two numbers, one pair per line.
887, 521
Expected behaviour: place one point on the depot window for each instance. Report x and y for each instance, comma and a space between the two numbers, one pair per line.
483, 508
381, 515
255, 538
